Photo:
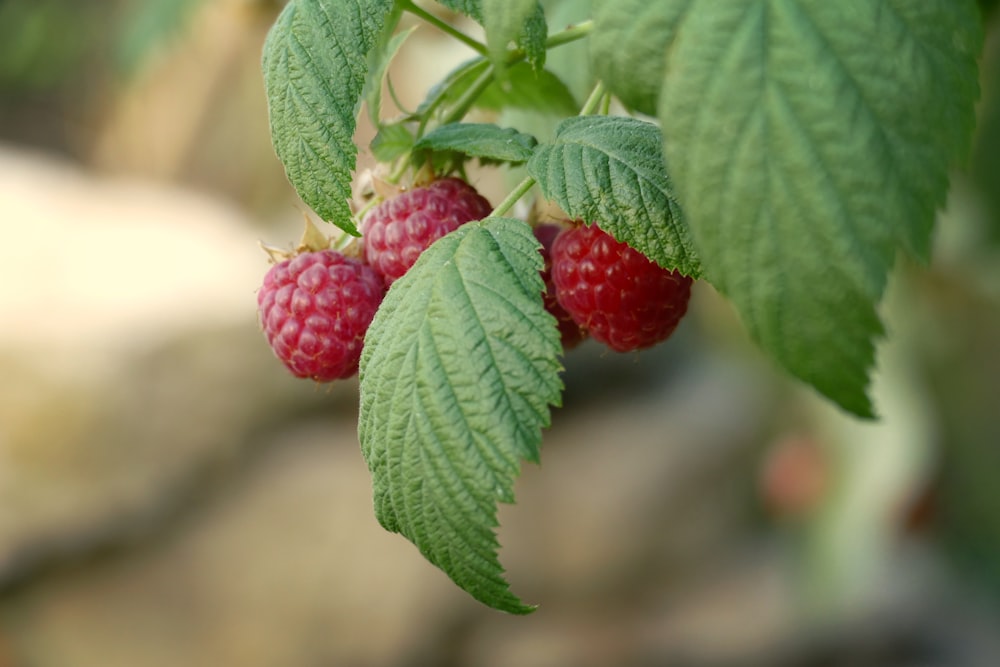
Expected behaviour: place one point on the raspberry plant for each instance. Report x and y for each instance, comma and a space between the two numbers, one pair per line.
782, 150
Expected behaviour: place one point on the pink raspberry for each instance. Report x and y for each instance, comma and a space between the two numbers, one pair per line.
569, 331
398, 230
315, 309
614, 292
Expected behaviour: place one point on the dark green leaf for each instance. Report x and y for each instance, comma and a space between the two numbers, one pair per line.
629, 45
610, 170
315, 64
811, 141
480, 140
459, 370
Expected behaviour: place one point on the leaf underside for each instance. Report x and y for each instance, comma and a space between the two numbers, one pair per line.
610, 170
315, 65
459, 370
810, 142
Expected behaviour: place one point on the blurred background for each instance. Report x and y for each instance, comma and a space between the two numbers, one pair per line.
169, 495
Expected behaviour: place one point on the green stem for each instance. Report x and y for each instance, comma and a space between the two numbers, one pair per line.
594, 101
518, 192
597, 96
466, 101
468, 98
606, 104
558, 39
571, 34
476, 46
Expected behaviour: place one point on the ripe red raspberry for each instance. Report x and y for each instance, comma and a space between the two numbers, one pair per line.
398, 230
315, 309
622, 298
569, 331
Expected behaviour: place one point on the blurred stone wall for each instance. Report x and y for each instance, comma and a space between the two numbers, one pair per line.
170, 496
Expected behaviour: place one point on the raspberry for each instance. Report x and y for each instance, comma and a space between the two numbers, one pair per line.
398, 230
569, 331
315, 309
614, 292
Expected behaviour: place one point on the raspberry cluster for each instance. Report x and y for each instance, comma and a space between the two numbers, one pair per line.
315, 308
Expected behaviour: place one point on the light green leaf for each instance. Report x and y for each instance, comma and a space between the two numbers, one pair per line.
810, 142
391, 142
570, 62
379, 60
524, 88
315, 65
458, 372
453, 85
529, 89
479, 140
629, 45
508, 20
504, 21
610, 170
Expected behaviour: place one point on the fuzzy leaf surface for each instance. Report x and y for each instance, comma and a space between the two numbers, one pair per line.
811, 141
480, 140
610, 170
315, 64
459, 370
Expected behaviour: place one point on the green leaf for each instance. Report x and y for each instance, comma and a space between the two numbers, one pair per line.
391, 142
480, 140
453, 85
504, 21
458, 372
610, 170
810, 142
508, 20
378, 64
471, 8
571, 62
525, 88
529, 89
629, 44
315, 65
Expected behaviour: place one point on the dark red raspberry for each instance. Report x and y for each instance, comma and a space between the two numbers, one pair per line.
398, 230
315, 309
614, 292
569, 331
